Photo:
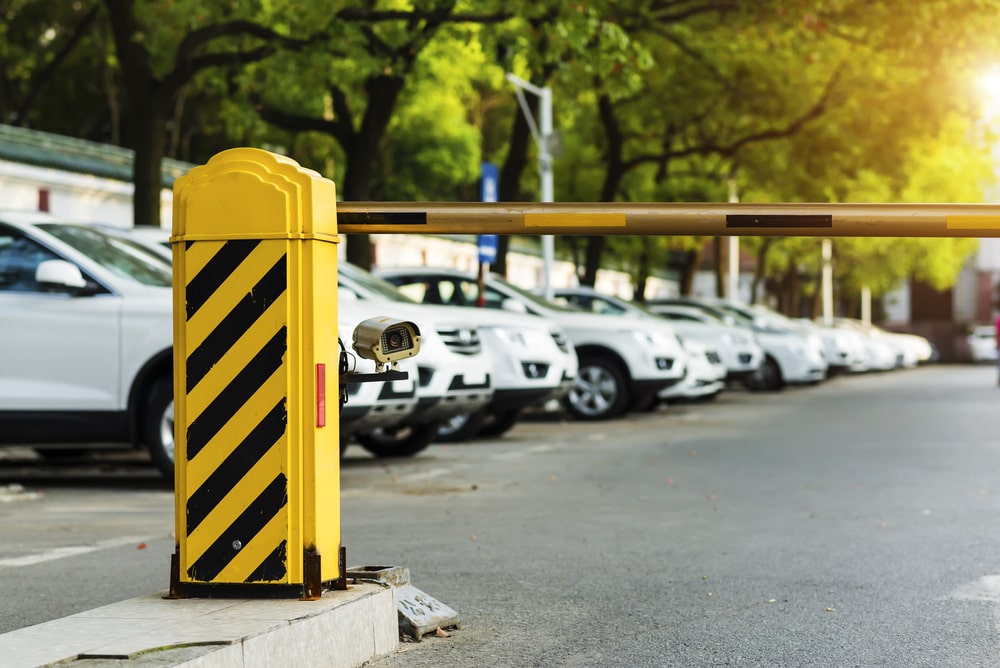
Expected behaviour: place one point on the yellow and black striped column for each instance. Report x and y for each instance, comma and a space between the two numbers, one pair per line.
255, 319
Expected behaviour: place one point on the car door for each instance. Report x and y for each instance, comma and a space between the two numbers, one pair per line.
58, 351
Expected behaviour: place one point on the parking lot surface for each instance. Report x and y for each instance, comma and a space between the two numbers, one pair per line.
855, 523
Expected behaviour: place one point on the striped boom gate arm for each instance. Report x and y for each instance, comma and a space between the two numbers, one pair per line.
257, 480
682, 219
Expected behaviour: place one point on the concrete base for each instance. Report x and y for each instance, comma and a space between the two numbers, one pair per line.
344, 629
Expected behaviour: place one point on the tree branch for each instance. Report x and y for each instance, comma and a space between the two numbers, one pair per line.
42, 77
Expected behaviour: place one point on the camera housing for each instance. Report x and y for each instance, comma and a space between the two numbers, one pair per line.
386, 340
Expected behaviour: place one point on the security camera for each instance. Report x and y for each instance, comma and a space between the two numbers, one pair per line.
386, 340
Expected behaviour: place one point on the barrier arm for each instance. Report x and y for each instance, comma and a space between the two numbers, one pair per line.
706, 219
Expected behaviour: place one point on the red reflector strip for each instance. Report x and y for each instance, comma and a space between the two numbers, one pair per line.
320, 395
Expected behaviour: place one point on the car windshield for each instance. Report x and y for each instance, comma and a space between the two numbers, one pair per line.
617, 306
373, 284
118, 256
531, 298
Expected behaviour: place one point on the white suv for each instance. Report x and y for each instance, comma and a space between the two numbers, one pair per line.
455, 375
623, 361
736, 346
87, 333
532, 358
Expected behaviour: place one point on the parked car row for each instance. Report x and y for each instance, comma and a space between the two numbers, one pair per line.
89, 311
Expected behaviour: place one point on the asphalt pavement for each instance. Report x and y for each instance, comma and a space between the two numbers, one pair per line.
854, 523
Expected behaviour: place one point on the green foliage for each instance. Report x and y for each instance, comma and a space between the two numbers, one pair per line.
797, 100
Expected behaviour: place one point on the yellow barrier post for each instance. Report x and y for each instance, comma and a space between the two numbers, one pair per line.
257, 482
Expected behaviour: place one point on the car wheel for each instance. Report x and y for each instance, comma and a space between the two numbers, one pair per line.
767, 378
600, 391
500, 424
158, 426
399, 441
462, 427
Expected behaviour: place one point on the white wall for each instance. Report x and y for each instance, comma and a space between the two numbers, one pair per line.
74, 197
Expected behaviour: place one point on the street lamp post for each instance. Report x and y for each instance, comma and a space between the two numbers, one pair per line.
542, 133
733, 284
827, 282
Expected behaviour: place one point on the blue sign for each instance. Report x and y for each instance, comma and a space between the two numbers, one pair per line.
487, 248
489, 183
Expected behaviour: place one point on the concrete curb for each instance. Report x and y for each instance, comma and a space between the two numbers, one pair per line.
344, 629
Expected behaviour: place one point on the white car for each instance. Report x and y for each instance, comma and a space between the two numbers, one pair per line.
911, 349
738, 348
87, 338
454, 375
706, 376
623, 361
532, 358
982, 343
791, 357
845, 350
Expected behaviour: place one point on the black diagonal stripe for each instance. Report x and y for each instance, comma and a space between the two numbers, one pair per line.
274, 567
239, 534
201, 430
204, 284
239, 462
267, 290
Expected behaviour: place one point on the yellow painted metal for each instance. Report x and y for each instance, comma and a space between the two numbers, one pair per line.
257, 472
707, 219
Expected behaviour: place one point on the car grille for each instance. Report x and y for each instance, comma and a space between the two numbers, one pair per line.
462, 340
713, 357
560, 341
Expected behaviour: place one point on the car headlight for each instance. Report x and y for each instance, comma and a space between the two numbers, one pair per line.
655, 339
798, 347
510, 335
739, 339
642, 337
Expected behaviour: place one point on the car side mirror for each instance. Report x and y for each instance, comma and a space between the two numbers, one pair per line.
60, 274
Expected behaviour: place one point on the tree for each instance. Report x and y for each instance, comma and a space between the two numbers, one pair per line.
362, 91
161, 47
40, 43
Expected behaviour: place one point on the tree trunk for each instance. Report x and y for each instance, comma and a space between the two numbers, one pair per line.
720, 254
383, 93
592, 260
692, 260
612, 180
642, 275
509, 189
760, 270
149, 140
